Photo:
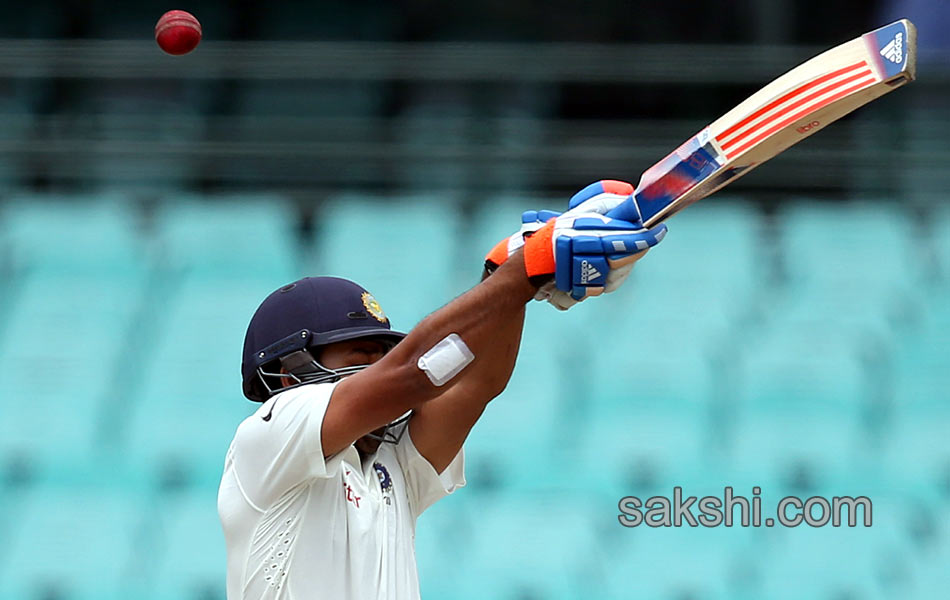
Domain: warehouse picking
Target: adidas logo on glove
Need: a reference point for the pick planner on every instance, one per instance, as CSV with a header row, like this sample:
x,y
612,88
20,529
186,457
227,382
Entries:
x,y
588,272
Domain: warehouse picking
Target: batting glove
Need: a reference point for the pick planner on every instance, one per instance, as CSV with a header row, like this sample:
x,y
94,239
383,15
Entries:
x,y
602,197
580,250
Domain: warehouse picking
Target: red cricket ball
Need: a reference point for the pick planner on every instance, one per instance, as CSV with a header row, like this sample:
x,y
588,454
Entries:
x,y
177,32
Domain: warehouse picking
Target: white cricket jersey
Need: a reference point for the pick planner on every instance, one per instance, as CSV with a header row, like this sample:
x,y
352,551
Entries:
x,y
299,527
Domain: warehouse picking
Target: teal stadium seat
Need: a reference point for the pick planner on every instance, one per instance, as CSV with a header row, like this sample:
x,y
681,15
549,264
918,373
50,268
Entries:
x,y
96,235
843,244
849,264
60,356
837,562
916,452
710,267
402,249
75,544
802,402
513,548
922,371
531,427
658,364
644,453
933,577
675,326
190,561
228,236
706,270
669,563
189,401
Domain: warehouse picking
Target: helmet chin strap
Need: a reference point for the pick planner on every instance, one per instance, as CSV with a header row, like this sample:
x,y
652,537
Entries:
x,y
304,369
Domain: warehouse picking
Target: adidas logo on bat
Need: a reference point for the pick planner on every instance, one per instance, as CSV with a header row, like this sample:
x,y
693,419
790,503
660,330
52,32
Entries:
x,y
894,50
588,272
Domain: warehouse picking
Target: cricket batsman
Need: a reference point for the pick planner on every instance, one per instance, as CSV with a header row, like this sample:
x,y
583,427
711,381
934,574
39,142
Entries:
x,y
361,428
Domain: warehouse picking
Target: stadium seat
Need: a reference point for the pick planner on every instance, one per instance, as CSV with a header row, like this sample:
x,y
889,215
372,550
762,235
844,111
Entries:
x,y
60,359
402,249
933,577
228,236
671,563
809,562
190,400
811,361
716,239
916,451
190,561
642,451
710,264
520,432
95,235
877,308
851,265
922,371
697,295
527,547
844,244
805,400
76,544
666,361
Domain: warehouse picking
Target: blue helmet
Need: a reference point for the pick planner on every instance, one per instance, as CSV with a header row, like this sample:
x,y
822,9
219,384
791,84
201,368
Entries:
x,y
305,314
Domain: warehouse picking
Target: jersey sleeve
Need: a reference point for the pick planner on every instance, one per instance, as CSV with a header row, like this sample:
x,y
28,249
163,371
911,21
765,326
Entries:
x,y
272,456
424,485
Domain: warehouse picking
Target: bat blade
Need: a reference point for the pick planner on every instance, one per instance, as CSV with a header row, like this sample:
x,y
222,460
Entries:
x,y
781,114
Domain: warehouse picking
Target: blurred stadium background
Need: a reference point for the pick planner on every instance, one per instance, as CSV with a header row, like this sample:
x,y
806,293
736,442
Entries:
x,y
791,333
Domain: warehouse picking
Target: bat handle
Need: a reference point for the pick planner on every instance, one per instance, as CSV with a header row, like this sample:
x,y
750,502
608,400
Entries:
x,y
626,211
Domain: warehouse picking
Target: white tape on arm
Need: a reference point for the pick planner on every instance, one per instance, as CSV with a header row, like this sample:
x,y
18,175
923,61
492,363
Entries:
x,y
445,360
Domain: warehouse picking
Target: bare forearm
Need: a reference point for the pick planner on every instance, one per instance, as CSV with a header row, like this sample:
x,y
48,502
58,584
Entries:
x,y
439,427
478,316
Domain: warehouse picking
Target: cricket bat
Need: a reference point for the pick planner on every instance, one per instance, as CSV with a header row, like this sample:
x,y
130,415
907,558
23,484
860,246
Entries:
x,y
781,114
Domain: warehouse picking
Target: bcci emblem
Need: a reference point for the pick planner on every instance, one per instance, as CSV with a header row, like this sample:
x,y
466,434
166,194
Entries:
x,y
385,481
373,307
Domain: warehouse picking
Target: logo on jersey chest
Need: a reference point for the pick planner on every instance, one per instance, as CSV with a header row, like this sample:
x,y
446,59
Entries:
x,y
385,482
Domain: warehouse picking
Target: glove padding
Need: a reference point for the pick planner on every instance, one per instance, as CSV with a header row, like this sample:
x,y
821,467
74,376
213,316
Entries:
x,y
581,249
601,197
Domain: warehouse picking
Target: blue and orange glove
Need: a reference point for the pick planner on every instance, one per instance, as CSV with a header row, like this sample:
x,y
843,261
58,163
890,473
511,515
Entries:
x,y
589,250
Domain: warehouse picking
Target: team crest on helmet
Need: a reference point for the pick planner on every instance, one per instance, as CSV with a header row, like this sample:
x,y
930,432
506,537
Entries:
x,y
373,307
385,481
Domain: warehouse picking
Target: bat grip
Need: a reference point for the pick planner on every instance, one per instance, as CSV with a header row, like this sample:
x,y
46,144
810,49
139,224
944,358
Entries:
x,y
626,211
